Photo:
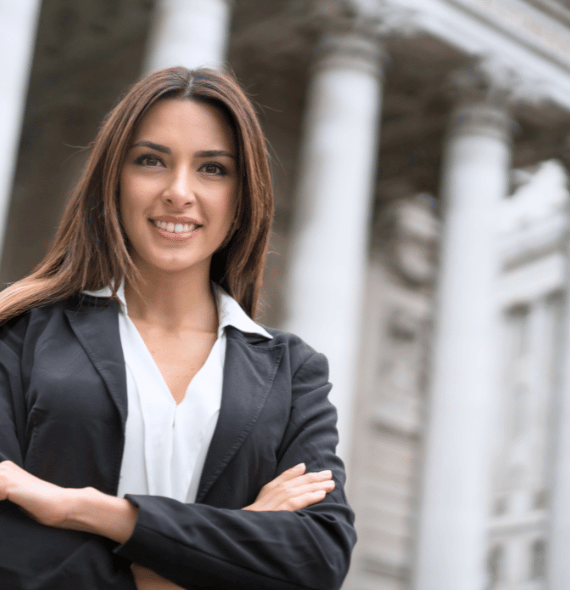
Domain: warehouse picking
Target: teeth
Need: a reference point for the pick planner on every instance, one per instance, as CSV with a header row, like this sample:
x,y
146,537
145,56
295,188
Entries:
x,y
175,228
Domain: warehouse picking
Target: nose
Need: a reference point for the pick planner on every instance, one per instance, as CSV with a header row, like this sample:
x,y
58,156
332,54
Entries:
x,y
179,192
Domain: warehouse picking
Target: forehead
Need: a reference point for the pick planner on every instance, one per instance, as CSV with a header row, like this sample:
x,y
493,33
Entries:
x,y
186,121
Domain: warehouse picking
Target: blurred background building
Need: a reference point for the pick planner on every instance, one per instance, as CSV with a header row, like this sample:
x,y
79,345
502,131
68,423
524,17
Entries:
x,y
420,152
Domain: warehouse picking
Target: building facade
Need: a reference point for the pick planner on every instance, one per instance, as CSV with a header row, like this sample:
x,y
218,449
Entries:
x,y
420,241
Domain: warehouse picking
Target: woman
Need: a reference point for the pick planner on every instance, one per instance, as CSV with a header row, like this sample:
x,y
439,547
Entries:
x,y
127,368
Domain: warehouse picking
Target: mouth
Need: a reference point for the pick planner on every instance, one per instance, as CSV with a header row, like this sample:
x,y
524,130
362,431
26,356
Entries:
x,y
175,228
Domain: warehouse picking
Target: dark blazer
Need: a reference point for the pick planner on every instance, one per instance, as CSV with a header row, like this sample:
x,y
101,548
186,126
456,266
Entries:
x,y
63,407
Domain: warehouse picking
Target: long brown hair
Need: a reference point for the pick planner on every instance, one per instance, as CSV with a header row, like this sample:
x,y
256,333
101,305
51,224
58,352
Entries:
x,y
90,249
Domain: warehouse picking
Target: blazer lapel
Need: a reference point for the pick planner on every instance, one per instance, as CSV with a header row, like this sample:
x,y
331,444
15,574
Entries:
x,y
97,329
249,371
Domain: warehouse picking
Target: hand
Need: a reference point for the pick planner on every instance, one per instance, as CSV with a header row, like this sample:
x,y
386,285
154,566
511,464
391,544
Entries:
x,y
146,579
293,490
43,501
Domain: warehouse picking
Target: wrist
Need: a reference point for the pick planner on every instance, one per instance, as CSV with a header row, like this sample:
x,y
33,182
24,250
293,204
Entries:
x,y
101,514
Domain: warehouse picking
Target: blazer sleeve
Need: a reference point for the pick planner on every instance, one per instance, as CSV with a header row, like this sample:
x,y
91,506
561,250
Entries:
x,y
200,546
12,405
33,555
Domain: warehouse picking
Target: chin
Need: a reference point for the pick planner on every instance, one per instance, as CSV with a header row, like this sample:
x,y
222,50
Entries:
x,y
176,265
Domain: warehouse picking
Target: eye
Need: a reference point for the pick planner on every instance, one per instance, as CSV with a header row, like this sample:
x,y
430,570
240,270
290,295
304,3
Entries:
x,y
214,169
149,161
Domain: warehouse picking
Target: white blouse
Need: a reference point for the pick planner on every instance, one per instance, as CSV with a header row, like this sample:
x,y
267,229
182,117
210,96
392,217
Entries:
x,y
166,443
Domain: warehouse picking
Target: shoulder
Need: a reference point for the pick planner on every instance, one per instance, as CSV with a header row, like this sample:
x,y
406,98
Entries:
x,y
301,357
28,327
13,333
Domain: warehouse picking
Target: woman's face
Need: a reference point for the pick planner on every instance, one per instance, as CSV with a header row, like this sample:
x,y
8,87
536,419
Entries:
x,y
178,186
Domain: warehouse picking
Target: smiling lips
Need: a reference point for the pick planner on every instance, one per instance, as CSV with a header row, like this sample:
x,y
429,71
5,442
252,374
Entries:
x,y
177,228
175,232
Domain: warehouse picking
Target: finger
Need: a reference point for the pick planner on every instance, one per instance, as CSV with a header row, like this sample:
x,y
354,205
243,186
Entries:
x,y
313,477
285,497
281,490
327,486
316,476
303,501
288,475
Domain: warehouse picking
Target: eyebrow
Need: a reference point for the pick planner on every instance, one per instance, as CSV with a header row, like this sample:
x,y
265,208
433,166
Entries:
x,y
201,154
154,146
214,154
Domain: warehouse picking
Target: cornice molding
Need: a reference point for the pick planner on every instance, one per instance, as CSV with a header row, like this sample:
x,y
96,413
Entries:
x,y
554,9
524,33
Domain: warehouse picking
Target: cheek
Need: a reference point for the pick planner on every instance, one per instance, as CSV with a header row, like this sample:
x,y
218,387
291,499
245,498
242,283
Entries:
x,y
130,198
124,213
128,208
231,212
231,208
124,192
227,215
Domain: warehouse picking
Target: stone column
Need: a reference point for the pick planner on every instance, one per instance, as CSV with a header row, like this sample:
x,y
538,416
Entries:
x,y
454,511
333,208
18,23
190,33
558,547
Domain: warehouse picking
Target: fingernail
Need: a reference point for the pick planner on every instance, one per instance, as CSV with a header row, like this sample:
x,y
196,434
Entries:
x,y
327,472
301,466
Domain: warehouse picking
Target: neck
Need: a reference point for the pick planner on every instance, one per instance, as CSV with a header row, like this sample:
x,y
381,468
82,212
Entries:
x,y
173,301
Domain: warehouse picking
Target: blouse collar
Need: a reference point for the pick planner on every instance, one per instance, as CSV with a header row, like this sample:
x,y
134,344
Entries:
x,y
229,311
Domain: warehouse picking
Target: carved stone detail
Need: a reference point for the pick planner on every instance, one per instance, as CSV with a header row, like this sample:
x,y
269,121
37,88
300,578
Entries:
x,y
384,19
411,233
484,90
489,80
353,34
392,20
